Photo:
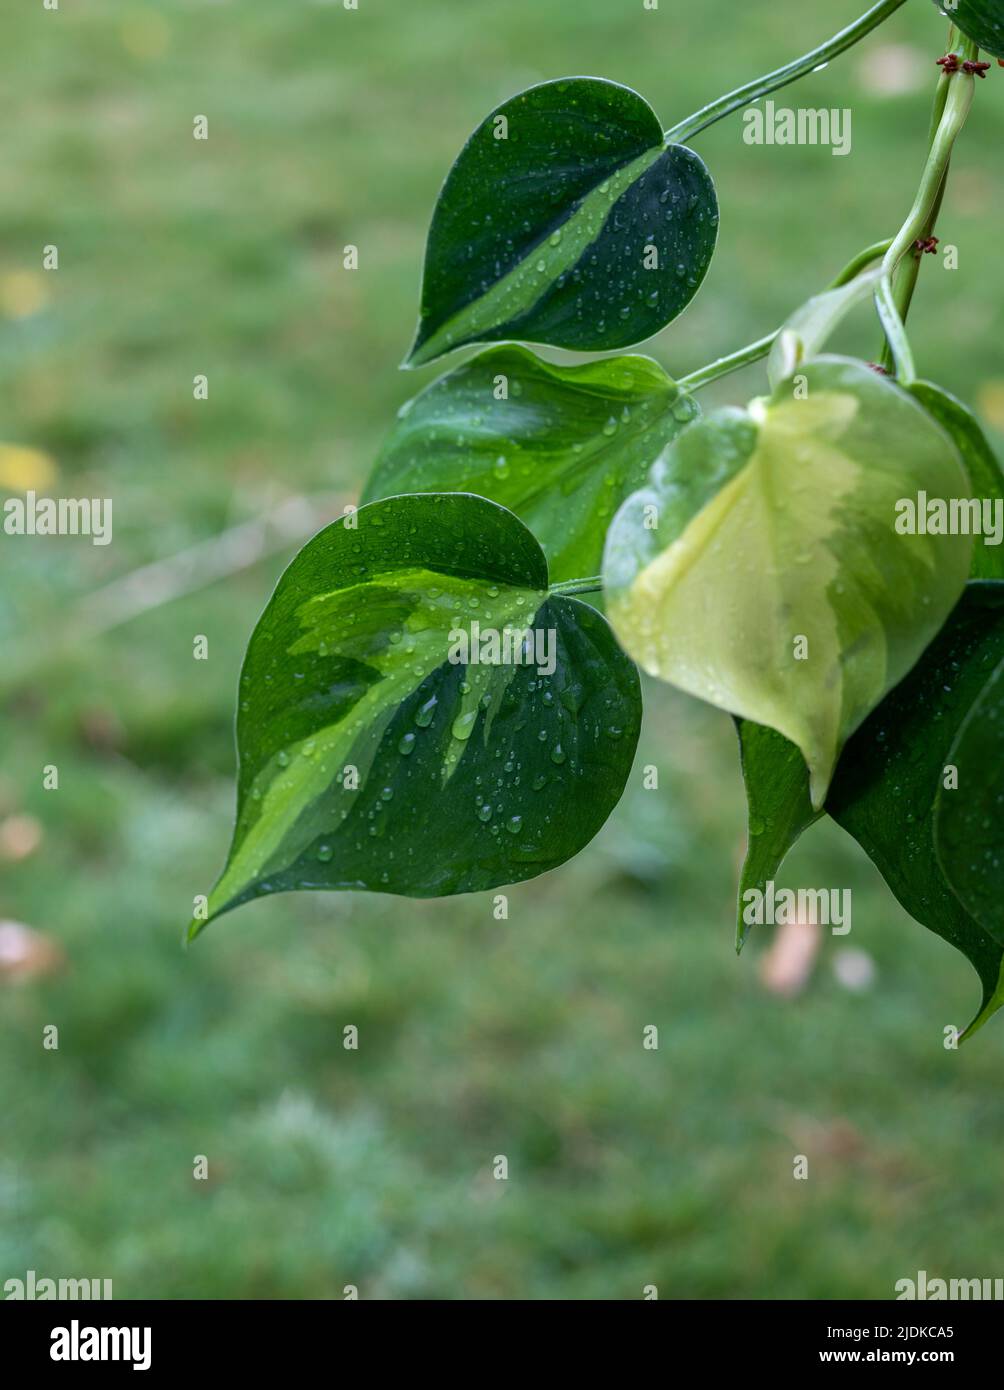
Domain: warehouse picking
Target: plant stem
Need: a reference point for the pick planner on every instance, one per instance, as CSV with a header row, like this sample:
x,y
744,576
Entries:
x,y
864,258
906,279
791,72
568,588
734,362
958,100
910,269
753,352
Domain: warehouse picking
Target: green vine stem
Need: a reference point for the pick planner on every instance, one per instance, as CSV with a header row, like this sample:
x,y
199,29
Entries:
x,y
734,362
791,72
861,261
957,104
905,282
568,588
753,352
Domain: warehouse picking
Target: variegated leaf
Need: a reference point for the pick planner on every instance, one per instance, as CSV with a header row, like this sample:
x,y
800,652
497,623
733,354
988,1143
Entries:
x,y
567,219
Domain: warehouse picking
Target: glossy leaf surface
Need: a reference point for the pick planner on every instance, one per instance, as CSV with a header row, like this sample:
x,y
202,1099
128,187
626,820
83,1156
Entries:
x,y
761,569
566,220
985,477
559,446
377,751
778,807
969,816
891,775
980,20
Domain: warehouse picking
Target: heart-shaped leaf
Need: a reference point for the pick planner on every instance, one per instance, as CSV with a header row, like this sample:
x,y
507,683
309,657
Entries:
x,y
419,716
560,446
763,569
980,20
889,782
984,471
566,219
969,824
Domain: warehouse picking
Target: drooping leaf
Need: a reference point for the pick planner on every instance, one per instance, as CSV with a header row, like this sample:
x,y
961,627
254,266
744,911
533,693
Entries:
x,y
969,813
886,789
566,220
778,807
774,772
980,20
560,446
761,569
981,464
375,751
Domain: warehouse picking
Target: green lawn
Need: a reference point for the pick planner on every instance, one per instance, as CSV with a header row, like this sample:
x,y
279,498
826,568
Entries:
x,y
478,1038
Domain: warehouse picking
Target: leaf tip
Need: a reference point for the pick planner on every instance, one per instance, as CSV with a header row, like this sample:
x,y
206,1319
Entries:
x,y
820,776
419,353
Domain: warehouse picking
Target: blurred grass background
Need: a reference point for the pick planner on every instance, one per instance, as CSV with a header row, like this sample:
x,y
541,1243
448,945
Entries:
x,y
330,1167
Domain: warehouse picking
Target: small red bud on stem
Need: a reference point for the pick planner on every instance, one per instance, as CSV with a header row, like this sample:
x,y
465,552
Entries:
x,y
951,62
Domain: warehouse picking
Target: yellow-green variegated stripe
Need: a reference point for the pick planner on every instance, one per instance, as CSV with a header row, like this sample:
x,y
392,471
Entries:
x,y
765,568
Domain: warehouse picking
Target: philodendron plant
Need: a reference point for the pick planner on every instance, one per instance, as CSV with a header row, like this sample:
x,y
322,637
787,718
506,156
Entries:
x,y
428,706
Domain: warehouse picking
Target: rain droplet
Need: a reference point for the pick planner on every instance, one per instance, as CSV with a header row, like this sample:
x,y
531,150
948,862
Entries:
x,y
424,714
463,725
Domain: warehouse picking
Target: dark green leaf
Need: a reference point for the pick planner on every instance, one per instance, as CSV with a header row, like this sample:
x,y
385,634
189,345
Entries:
x,y
566,220
778,807
981,465
886,788
980,20
560,446
469,775
969,824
